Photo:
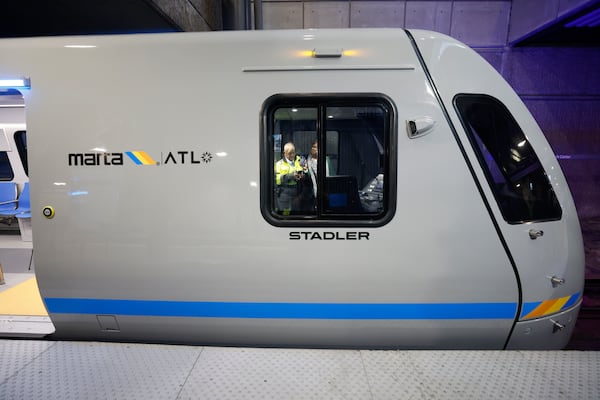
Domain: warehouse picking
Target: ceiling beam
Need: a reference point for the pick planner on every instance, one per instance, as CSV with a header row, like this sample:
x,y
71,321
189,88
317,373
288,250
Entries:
x,y
532,17
192,15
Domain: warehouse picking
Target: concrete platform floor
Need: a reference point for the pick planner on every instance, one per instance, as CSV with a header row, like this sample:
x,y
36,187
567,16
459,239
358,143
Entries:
x,y
45,370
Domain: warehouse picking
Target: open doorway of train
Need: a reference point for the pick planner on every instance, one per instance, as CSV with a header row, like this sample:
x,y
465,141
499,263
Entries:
x,y
22,311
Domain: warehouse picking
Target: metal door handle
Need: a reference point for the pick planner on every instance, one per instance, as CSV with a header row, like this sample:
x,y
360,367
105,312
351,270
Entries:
x,y
534,234
556,281
557,326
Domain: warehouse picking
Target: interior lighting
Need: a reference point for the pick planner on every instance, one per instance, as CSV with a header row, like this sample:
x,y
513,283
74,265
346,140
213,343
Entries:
x,y
522,143
15,83
80,46
590,20
12,105
515,155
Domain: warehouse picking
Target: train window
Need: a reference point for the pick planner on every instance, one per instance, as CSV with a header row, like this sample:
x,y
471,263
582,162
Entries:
x,y
520,184
21,141
324,160
6,171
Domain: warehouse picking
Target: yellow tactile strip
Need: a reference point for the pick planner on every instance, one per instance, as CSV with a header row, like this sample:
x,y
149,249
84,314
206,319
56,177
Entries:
x,y
23,299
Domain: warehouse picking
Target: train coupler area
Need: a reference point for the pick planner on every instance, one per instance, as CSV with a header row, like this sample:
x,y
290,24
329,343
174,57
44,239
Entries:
x,y
550,332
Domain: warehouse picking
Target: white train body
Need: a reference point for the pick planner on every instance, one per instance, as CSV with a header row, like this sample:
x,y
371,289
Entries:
x,y
152,157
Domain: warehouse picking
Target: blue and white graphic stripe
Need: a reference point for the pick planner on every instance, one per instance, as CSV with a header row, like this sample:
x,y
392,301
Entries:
x,y
366,311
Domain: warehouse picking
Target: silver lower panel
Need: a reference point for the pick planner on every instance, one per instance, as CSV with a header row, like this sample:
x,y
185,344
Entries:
x,y
552,332
363,334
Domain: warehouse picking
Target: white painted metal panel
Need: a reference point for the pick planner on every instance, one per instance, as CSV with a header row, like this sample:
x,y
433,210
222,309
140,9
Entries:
x,y
560,251
4,145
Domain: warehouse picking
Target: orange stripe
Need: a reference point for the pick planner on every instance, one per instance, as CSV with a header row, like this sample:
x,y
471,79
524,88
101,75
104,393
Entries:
x,y
558,305
541,309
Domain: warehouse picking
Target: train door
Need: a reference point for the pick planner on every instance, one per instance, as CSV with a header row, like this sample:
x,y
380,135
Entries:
x,y
534,223
22,312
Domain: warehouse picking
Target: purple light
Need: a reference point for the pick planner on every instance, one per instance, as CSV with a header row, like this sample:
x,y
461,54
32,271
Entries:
x,y
591,19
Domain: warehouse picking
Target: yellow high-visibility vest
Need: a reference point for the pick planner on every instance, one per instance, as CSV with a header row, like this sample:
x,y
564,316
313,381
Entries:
x,y
283,169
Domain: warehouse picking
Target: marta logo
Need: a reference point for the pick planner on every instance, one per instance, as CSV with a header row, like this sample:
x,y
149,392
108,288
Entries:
x,y
139,157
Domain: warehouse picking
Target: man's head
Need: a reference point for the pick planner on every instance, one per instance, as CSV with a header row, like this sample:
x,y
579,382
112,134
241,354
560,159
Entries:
x,y
289,151
314,150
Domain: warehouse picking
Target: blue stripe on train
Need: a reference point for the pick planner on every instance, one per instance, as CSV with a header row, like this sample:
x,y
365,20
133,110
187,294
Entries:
x,y
161,308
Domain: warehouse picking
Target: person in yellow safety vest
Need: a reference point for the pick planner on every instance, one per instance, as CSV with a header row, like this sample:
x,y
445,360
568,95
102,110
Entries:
x,y
289,171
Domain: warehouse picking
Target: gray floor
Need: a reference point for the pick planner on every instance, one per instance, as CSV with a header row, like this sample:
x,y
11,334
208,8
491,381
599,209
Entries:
x,y
32,369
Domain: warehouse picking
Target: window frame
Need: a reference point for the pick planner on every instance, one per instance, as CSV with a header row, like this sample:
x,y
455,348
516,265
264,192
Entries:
x,y
327,100
484,165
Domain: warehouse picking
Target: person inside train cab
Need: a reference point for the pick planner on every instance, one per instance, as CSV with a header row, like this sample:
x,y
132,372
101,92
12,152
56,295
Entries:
x,y
312,165
290,171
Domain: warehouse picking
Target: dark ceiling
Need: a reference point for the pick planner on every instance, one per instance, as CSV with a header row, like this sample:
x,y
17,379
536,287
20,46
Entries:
x,y
80,17
75,17
581,28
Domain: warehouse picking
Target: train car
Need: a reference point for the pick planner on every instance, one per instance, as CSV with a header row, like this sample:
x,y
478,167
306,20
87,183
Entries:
x,y
308,188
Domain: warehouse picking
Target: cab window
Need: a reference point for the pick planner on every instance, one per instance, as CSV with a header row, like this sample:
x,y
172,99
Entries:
x,y
514,172
327,160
